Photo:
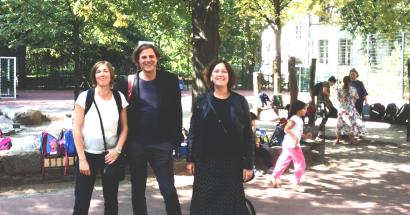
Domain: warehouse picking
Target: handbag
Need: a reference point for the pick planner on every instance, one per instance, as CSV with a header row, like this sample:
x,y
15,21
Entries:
x,y
250,209
115,170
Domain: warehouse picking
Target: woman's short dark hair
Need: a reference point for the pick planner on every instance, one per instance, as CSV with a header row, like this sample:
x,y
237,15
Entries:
x,y
137,51
296,106
94,71
332,79
209,69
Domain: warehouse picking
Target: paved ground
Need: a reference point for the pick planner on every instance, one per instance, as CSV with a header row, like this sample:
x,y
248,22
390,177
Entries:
x,y
370,178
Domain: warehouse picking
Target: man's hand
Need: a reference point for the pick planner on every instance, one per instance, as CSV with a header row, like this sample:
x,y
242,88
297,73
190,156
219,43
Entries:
x,y
247,174
190,168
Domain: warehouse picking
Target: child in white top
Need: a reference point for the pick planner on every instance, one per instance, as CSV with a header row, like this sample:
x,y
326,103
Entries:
x,y
291,150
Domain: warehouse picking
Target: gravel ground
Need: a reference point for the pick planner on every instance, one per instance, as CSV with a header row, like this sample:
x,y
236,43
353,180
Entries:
x,y
372,177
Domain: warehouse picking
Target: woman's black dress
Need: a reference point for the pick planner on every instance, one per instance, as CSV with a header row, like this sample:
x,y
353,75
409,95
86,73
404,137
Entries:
x,y
218,188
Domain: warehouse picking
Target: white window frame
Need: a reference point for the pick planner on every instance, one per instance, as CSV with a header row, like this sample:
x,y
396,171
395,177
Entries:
x,y
345,52
323,48
298,32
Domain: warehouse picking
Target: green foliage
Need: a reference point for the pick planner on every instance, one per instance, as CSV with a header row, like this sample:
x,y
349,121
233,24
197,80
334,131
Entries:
x,y
107,30
240,40
265,11
366,16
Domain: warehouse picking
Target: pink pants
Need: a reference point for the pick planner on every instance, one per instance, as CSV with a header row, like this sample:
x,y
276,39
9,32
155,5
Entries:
x,y
287,155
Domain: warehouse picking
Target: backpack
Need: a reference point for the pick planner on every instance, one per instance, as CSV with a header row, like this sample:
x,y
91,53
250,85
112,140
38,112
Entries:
x,y
182,150
262,136
5,142
402,114
311,110
68,143
317,88
390,113
366,112
277,101
277,136
90,99
50,145
377,111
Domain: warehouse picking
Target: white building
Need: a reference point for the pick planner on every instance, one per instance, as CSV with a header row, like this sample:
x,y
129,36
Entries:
x,y
336,52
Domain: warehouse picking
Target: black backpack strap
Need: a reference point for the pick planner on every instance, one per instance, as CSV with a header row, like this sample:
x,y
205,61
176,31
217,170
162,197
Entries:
x,y
135,86
89,100
117,98
118,101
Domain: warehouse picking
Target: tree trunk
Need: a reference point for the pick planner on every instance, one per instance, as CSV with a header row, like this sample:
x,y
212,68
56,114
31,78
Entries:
x,y
311,86
293,82
21,66
408,117
249,55
205,39
277,74
76,43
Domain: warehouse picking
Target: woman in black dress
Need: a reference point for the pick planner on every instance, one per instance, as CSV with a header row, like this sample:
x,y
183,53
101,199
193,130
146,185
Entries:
x,y
220,145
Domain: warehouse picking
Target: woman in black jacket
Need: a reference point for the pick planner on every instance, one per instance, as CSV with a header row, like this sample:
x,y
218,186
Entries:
x,y
220,145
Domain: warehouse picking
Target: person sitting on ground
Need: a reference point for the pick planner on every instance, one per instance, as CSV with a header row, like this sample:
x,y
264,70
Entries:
x,y
264,99
261,150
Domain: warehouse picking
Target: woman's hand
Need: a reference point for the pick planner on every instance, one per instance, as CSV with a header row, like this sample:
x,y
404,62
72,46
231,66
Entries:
x,y
111,156
247,174
84,167
190,168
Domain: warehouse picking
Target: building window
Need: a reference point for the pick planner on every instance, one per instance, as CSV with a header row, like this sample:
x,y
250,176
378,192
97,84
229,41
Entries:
x,y
324,51
345,47
298,32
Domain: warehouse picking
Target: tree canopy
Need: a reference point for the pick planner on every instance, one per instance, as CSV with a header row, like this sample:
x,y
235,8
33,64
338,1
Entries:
x,y
366,16
105,28
69,36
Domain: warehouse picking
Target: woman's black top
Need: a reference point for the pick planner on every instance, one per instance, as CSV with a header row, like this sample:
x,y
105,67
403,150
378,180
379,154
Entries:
x,y
219,129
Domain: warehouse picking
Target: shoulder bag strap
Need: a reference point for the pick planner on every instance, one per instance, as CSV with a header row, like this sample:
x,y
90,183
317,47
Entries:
x,y
101,124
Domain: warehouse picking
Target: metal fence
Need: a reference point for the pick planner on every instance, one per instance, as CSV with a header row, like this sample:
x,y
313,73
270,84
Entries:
x,y
386,71
8,80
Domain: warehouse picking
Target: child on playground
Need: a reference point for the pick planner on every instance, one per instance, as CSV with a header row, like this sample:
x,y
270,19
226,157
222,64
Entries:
x,y
291,149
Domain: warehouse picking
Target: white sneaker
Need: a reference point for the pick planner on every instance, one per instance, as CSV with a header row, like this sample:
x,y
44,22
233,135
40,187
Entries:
x,y
298,188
